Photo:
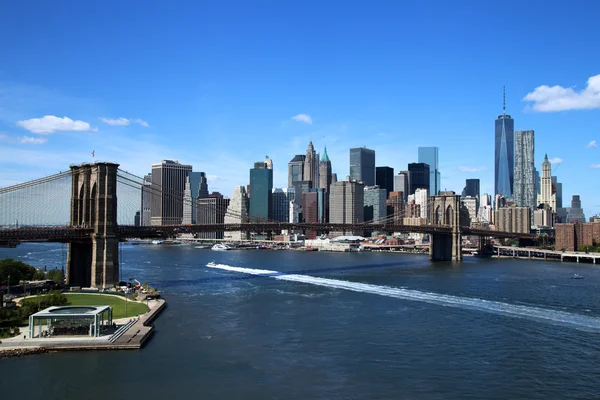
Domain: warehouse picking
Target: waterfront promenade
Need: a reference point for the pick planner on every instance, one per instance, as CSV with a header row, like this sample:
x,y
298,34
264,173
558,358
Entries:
x,y
550,255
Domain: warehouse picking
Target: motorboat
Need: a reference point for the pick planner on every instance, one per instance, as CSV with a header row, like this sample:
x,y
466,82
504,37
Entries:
x,y
577,276
212,264
157,241
220,247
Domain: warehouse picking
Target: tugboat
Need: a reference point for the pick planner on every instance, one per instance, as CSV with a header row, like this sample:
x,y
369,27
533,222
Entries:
x,y
577,276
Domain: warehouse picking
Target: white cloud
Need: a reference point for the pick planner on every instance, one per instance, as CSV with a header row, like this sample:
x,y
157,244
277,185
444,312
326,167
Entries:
x,y
121,121
50,123
592,145
31,140
557,98
141,122
471,169
303,118
555,160
116,121
595,166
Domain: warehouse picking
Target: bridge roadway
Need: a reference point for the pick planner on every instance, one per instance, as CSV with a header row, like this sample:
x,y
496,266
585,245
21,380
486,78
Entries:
x,y
70,233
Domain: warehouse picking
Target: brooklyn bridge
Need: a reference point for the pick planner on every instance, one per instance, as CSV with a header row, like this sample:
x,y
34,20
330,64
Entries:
x,y
91,207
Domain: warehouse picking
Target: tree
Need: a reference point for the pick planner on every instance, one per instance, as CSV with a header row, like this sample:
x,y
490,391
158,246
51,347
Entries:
x,y
56,275
18,271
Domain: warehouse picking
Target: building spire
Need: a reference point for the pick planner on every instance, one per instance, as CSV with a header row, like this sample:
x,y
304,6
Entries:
x,y
503,99
325,157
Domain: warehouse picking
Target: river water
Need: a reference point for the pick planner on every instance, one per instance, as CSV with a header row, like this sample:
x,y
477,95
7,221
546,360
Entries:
x,y
316,325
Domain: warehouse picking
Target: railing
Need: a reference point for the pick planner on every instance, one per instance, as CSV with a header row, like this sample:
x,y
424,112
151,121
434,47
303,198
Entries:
x,y
121,331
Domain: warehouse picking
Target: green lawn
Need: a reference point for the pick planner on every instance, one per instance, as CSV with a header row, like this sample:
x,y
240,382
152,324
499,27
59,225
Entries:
x,y
117,303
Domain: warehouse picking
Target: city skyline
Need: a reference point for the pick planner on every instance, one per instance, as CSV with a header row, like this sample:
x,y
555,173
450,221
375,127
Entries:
x,y
212,120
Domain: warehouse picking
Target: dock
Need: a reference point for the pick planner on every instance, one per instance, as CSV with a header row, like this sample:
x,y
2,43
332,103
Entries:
x,y
548,255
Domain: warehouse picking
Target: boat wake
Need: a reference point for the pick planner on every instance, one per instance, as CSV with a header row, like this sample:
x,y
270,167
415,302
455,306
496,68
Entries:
x,y
573,320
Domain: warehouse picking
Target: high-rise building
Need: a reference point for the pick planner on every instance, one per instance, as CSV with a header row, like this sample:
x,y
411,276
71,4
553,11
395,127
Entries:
x,y
168,184
211,210
310,211
395,207
187,203
384,178
504,154
421,197
470,204
199,186
485,209
557,188
471,188
402,183
513,219
237,213
362,165
146,200
346,203
325,171
296,169
311,165
374,200
524,187
261,186
575,212
547,196
419,177
334,177
430,156
280,199
543,217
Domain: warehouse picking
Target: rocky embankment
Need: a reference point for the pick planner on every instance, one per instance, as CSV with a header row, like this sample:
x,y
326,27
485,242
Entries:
x,y
27,351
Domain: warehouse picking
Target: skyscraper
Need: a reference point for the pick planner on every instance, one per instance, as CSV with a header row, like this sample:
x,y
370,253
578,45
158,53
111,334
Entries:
x,y
575,212
168,184
199,187
346,203
362,165
296,169
325,171
237,213
504,154
384,178
211,210
524,189
419,177
261,186
311,165
471,188
402,184
280,199
547,196
375,207
557,187
146,201
430,156
187,203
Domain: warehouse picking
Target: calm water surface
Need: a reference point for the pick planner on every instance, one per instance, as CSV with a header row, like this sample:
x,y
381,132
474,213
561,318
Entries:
x,y
485,329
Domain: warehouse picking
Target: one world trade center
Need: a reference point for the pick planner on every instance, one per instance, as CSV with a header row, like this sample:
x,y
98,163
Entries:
x,y
505,154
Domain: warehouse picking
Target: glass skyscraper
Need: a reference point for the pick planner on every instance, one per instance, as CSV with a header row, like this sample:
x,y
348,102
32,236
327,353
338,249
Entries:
x,y
362,165
504,158
430,156
524,189
261,187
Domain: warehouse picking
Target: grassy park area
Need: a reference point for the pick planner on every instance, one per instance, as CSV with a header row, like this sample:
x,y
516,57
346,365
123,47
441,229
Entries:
x,y
116,302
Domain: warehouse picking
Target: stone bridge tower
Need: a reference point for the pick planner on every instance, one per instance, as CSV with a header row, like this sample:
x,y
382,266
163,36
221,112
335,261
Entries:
x,y
94,262
445,210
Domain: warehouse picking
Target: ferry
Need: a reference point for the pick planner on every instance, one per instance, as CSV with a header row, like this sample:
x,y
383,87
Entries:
x,y
220,247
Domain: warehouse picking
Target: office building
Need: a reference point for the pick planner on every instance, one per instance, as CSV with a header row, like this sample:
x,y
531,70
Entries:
x,y
472,189
485,213
311,165
419,177
334,177
395,207
504,154
199,186
168,184
402,183
325,171
469,204
310,211
547,195
557,188
543,217
524,186
211,210
384,178
261,186
362,165
146,200
374,204
430,156
513,219
346,204
296,169
575,212
280,199
421,199
187,203
237,213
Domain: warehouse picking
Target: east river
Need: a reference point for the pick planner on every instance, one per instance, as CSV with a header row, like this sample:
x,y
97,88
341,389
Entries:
x,y
378,326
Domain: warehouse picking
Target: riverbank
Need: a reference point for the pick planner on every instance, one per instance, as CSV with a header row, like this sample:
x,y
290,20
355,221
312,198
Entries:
x,y
132,334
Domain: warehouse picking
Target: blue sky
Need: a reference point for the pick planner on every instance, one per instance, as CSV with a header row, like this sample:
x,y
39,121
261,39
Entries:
x,y
217,83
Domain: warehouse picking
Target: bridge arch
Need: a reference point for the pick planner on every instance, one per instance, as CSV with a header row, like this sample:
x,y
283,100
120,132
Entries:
x,y
437,216
449,216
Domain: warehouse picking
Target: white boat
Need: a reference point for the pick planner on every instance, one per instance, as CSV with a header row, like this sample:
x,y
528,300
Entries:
x,y
157,241
211,264
577,276
220,247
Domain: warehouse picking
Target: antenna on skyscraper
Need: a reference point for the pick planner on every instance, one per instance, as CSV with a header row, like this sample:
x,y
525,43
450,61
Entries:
x,y
503,99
